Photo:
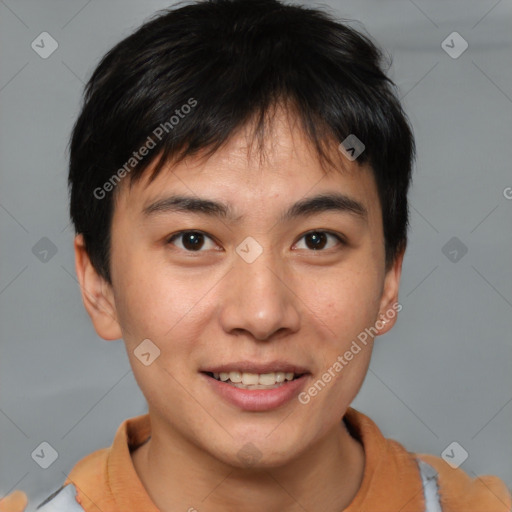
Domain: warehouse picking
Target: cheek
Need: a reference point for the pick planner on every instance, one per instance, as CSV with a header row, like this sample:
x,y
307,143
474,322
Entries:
x,y
153,303
139,298
346,302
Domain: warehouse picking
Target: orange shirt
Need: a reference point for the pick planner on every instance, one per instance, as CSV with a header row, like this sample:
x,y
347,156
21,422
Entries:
x,y
106,480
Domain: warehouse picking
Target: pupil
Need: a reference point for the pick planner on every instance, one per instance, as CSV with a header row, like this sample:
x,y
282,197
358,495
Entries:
x,y
193,241
318,238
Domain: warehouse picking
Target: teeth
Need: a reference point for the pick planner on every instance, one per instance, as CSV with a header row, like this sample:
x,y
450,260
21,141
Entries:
x,y
249,378
267,378
254,379
235,377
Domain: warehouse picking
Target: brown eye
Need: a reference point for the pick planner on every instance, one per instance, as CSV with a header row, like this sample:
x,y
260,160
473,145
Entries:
x,y
191,241
317,240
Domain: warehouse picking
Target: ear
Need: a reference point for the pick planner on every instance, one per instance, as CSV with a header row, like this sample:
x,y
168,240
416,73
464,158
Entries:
x,y
389,305
97,294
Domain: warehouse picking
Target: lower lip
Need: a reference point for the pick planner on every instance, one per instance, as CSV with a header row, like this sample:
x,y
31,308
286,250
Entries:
x,y
257,399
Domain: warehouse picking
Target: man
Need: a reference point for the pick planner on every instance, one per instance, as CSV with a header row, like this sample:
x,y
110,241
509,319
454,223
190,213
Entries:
x,y
239,177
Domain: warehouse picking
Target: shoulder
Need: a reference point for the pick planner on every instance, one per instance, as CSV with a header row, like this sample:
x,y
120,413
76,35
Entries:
x,y
459,491
87,471
62,500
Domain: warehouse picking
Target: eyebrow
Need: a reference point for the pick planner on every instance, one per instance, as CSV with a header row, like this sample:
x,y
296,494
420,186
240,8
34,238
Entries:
x,y
328,202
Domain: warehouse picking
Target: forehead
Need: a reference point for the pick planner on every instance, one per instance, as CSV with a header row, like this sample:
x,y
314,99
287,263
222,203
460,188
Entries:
x,y
285,167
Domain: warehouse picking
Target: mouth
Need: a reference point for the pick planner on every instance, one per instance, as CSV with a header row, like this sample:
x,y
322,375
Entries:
x,y
256,387
247,380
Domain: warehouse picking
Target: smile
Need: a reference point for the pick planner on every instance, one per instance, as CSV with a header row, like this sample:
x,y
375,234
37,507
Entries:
x,y
257,392
246,380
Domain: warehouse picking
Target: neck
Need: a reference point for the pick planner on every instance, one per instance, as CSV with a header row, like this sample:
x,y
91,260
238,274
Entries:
x,y
326,477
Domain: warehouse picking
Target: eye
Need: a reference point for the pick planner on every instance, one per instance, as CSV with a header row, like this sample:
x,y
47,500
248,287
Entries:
x,y
192,241
316,240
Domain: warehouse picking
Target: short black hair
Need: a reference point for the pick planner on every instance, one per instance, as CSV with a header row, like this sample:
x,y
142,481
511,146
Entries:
x,y
185,81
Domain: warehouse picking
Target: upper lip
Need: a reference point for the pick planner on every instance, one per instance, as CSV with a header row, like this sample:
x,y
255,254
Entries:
x,y
252,367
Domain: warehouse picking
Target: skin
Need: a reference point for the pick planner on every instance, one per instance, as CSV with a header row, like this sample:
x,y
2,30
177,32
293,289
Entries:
x,y
292,303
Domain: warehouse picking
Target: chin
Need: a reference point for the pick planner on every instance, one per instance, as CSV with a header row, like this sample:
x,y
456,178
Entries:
x,y
261,451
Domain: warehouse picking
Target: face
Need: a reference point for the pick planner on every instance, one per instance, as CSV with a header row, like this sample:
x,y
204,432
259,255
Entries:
x,y
264,292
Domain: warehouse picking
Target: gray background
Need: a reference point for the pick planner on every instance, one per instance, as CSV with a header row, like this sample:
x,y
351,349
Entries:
x,y
441,375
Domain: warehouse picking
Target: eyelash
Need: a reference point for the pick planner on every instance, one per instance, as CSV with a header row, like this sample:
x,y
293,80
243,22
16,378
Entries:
x,y
339,238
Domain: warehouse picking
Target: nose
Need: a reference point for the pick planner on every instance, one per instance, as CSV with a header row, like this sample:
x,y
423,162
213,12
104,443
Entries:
x,y
259,299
